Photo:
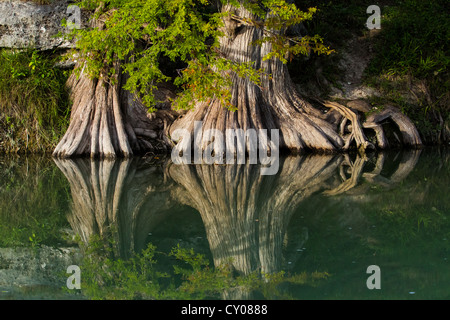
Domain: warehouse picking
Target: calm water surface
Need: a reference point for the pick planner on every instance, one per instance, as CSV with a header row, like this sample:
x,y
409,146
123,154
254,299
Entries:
x,y
309,232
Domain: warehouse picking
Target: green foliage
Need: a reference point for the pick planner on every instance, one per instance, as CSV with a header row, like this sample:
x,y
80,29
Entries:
x,y
201,83
415,39
336,20
34,101
403,227
411,65
142,33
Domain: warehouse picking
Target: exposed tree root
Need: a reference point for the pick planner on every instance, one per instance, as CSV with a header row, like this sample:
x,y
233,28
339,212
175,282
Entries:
x,y
356,133
275,104
108,121
410,135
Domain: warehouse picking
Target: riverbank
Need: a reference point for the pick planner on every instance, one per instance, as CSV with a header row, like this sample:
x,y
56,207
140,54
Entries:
x,y
34,102
404,65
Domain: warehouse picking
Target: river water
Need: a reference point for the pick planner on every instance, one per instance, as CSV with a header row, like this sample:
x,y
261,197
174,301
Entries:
x,y
323,227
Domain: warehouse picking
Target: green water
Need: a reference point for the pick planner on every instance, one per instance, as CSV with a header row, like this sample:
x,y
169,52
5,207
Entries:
x,y
309,232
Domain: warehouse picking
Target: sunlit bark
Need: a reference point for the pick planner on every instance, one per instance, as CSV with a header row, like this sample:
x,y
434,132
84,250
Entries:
x,y
276,104
108,121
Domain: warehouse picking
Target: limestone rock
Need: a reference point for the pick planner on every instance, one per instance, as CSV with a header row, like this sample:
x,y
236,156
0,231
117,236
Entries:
x,y
31,267
30,25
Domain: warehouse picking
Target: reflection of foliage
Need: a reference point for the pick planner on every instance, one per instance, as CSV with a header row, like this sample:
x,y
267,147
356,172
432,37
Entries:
x,y
201,281
404,215
32,198
415,61
108,278
186,33
192,277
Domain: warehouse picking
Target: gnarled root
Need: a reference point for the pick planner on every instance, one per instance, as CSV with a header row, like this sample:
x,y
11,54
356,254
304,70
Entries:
x,y
351,129
410,135
357,133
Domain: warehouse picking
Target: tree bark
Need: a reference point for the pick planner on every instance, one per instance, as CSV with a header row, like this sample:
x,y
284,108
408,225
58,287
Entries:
x,y
108,121
276,104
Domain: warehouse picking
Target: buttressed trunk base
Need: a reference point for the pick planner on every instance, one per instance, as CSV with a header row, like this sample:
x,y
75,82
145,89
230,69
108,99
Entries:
x,y
108,121
276,104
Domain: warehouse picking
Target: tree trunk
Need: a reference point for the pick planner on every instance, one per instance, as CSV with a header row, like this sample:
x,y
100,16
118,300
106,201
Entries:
x,y
277,105
108,121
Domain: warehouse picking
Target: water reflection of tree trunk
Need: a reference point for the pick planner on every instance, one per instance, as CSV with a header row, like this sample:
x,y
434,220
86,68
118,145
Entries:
x,y
246,214
111,195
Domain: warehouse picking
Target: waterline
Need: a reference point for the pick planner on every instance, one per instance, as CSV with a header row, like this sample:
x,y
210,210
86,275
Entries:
x,y
236,146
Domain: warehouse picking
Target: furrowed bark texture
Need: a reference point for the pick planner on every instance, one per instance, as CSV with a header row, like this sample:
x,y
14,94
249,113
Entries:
x,y
108,121
276,104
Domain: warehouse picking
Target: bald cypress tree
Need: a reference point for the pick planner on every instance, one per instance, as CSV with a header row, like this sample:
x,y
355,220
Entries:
x,y
232,75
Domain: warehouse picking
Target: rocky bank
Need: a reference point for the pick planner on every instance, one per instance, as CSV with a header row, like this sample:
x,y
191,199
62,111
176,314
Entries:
x,y
26,24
